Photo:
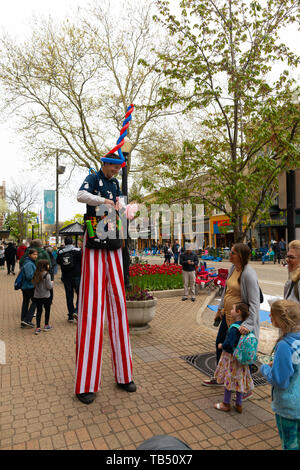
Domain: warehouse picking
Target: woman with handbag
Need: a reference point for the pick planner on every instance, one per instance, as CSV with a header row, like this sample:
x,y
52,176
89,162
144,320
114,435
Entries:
x,y
241,287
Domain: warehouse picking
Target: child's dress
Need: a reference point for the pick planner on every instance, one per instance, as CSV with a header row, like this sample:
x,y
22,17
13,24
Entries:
x,y
234,375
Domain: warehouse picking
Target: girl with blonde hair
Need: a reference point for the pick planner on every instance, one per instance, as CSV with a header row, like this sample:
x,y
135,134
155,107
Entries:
x,y
284,373
292,286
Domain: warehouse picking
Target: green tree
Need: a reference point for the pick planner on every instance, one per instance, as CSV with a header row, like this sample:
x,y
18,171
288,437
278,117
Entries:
x,y
222,71
77,218
17,225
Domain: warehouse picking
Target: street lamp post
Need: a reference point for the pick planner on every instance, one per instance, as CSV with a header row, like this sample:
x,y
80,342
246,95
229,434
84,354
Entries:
x,y
59,171
126,149
290,205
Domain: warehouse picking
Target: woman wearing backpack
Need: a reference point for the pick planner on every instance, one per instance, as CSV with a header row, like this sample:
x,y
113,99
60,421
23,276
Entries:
x,y
28,270
292,286
241,286
230,372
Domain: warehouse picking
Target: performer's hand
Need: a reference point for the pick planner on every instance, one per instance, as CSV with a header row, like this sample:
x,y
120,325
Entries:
x,y
220,346
109,202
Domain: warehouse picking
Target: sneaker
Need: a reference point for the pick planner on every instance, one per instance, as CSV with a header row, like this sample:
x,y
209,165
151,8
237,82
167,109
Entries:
x,y
47,327
75,316
193,299
70,320
184,298
37,331
248,395
27,323
211,383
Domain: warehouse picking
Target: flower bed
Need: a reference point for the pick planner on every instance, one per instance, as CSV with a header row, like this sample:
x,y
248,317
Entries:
x,y
155,277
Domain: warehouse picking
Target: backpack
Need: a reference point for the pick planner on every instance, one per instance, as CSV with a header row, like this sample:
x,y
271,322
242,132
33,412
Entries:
x,y
67,261
245,351
19,280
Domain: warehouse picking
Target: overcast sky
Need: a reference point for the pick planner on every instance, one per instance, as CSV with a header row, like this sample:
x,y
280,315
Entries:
x,y
16,18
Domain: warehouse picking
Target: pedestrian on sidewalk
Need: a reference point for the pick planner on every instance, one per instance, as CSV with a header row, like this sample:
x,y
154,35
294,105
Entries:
x,y
2,257
292,286
38,246
28,268
230,372
277,254
176,251
69,259
189,261
43,285
284,372
21,250
168,253
241,287
10,257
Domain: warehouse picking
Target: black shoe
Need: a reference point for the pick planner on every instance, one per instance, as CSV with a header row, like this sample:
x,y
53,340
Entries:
x,y
184,298
70,320
130,387
86,398
27,323
193,299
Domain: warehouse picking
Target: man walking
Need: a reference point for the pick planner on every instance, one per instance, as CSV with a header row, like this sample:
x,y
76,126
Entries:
x,y
69,259
176,251
10,257
189,261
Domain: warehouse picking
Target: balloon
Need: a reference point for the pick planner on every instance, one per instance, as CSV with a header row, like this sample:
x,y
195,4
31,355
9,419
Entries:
x,y
120,140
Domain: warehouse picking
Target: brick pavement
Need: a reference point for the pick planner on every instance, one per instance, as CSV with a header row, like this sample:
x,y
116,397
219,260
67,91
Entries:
x,y
39,410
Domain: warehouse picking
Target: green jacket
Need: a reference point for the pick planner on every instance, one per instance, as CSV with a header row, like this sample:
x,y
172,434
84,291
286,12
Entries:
x,y
42,254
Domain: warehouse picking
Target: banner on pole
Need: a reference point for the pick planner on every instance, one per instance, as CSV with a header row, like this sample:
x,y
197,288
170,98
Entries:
x,y
49,206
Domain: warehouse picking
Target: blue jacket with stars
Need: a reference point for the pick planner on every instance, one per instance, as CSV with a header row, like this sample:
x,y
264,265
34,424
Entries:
x,y
98,185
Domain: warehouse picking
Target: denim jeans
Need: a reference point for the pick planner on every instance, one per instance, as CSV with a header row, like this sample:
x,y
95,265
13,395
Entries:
x,y
71,285
27,312
289,432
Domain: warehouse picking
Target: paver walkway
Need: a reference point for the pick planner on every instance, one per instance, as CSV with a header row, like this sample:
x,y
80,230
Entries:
x,y
39,410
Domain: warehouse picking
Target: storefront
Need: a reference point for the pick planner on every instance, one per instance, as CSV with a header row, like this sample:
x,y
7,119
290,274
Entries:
x,y
221,233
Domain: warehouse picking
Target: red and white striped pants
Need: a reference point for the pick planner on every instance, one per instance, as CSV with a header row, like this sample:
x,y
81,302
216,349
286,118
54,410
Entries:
x,y
101,291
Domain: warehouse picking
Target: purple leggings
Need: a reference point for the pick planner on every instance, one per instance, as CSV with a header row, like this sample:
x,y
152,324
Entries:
x,y
227,397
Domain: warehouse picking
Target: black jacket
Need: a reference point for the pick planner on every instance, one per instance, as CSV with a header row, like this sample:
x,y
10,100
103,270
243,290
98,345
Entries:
x,y
184,261
10,252
69,259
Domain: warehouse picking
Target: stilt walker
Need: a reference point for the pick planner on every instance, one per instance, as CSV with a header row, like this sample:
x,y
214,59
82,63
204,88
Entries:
x,y
102,289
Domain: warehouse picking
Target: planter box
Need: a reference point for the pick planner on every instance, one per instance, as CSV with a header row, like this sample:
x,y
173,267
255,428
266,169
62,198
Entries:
x,y
140,313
